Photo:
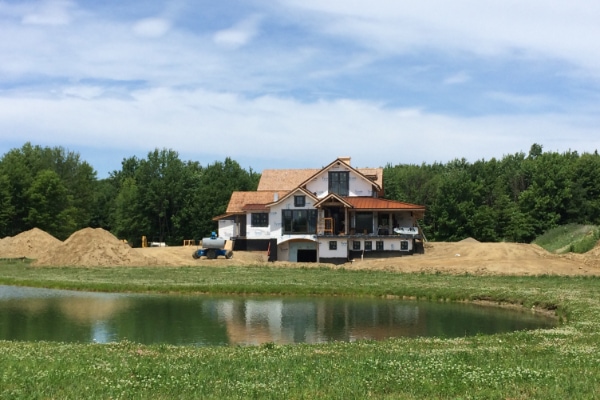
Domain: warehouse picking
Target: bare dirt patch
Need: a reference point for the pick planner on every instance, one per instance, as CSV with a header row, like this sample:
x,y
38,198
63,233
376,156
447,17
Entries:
x,y
33,243
93,247
97,247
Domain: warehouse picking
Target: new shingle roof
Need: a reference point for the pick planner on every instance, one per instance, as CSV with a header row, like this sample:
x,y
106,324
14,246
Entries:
x,y
241,199
284,179
289,179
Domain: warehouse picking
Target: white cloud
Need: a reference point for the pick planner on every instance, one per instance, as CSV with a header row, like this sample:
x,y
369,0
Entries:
x,y
561,29
457,79
49,12
282,130
151,27
84,92
239,34
520,101
98,82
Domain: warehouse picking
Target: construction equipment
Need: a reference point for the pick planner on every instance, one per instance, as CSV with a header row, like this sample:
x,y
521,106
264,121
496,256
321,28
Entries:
x,y
213,247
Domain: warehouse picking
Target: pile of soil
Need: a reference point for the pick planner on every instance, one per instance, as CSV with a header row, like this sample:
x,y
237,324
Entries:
x,y
94,247
97,247
478,258
34,243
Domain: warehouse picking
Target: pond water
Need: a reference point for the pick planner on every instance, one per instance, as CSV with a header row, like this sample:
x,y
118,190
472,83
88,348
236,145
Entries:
x,y
28,314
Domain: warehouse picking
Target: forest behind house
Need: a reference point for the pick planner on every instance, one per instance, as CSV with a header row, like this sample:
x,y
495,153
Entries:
x,y
515,198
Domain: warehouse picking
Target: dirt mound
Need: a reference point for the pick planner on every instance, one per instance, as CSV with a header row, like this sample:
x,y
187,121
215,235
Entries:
x,y
34,243
94,247
595,251
469,240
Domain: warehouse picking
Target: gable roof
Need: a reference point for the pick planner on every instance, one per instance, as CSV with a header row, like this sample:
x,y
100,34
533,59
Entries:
x,y
337,161
288,194
276,185
333,197
290,179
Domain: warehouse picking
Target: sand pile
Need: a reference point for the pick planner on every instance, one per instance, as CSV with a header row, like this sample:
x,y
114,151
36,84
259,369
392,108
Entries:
x,y
34,243
94,247
469,240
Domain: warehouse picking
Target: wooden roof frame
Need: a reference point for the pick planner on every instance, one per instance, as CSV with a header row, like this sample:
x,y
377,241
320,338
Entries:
x,y
331,196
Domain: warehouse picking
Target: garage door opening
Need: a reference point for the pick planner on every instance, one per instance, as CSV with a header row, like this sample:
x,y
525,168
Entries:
x,y
305,255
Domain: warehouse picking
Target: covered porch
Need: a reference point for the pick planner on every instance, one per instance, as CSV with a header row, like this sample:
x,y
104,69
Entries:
x,y
351,227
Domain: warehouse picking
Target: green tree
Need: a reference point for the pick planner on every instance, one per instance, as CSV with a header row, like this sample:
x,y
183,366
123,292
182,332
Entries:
x,y
129,221
584,205
216,184
166,199
7,209
454,205
546,199
22,168
50,205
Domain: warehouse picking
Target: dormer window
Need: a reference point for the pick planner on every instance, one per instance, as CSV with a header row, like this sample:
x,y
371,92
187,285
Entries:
x,y
339,182
299,201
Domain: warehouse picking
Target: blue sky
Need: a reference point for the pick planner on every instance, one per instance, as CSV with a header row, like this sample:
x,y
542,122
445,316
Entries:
x,y
297,83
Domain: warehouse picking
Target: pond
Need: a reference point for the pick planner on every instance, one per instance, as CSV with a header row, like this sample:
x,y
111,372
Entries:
x,y
28,314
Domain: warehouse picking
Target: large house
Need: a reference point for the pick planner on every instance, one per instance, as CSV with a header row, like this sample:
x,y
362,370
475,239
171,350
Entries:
x,y
333,215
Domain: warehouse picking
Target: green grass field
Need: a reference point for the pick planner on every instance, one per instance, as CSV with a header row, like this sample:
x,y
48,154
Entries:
x,y
559,363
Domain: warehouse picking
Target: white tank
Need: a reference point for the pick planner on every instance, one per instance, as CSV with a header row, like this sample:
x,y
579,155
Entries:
x,y
213,243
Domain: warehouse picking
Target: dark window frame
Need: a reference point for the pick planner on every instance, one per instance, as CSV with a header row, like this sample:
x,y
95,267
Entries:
x,y
368,245
379,245
299,201
259,220
298,221
339,182
356,245
333,245
363,221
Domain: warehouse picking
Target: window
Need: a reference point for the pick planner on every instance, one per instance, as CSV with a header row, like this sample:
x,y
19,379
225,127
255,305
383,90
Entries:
x,y
339,183
299,201
368,245
404,245
356,245
364,222
299,221
259,220
333,245
379,245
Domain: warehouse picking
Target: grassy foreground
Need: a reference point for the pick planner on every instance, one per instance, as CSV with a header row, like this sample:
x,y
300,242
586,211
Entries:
x,y
557,363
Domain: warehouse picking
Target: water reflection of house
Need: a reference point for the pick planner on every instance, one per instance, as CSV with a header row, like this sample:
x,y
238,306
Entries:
x,y
331,214
251,322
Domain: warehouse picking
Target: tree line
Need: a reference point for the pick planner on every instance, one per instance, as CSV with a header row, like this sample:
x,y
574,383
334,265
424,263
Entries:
x,y
515,198
160,197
